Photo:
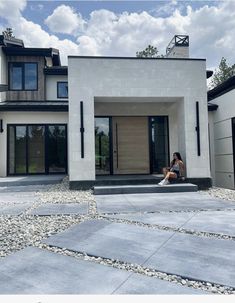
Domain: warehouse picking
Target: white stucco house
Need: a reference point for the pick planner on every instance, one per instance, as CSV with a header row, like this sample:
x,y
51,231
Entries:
x,y
122,116
222,133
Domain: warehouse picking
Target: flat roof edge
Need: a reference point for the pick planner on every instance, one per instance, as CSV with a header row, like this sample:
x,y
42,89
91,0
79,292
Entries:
x,y
134,58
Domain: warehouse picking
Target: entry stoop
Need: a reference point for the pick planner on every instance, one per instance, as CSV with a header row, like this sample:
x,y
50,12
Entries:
x,y
145,188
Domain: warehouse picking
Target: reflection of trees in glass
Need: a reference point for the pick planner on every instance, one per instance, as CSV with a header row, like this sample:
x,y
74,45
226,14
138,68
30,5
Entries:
x,y
102,148
57,148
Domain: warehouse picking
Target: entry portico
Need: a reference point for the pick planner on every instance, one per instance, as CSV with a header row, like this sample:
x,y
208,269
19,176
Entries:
x,y
140,101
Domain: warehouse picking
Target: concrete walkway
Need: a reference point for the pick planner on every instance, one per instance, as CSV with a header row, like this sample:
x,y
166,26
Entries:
x,y
30,180
187,236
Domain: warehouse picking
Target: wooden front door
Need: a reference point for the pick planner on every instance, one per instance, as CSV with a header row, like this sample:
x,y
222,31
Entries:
x,y
130,145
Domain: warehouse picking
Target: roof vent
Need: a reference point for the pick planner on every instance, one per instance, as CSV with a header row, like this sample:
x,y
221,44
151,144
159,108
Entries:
x,y
178,47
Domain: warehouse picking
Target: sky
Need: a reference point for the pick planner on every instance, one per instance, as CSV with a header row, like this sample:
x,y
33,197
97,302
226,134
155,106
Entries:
x,y
121,28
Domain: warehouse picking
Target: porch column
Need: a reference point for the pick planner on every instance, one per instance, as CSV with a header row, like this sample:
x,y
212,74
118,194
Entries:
x,y
81,160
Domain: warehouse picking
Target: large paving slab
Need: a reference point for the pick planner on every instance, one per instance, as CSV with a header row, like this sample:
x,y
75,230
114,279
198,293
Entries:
x,y
34,271
199,258
221,222
175,220
142,285
186,255
60,209
160,202
14,210
125,242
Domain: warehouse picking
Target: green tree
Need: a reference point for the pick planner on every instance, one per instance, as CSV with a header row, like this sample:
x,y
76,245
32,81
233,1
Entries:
x,y
223,72
8,33
149,52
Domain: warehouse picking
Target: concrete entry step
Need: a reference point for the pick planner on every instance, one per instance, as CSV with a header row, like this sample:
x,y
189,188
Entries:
x,y
31,180
146,188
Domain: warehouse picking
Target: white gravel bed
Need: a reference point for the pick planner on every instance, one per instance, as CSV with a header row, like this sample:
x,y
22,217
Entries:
x,y
60,193
221,193
17,232
206,286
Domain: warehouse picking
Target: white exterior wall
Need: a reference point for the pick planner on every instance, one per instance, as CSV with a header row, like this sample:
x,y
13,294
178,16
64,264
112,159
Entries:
x,y
51,86
223,169
112,77
24,118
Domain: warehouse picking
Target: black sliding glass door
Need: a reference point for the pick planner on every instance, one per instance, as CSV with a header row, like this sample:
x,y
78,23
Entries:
x,y
37,149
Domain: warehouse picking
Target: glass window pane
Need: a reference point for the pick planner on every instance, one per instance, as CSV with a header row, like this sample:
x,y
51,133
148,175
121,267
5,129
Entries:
x,y
20,150
36,149
159,143
57,146
11,152
62,89
16,77
30,76
102,146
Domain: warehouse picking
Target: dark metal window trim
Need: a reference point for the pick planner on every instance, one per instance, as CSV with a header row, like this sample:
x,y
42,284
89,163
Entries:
x,y
46,125
58,83
22,64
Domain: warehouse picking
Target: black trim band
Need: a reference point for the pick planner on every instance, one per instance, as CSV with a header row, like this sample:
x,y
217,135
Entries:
x,y
197,128
82,130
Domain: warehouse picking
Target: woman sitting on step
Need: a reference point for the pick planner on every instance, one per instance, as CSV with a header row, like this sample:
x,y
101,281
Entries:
x,y
175,171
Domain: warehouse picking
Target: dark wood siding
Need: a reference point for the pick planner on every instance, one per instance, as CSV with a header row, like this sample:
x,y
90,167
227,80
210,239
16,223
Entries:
x,y
29,95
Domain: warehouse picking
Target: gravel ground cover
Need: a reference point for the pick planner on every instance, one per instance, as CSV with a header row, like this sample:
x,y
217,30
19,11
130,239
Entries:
x,y
17,232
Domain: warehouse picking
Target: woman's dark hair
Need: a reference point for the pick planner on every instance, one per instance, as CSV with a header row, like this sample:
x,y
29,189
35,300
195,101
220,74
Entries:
x,y
178,156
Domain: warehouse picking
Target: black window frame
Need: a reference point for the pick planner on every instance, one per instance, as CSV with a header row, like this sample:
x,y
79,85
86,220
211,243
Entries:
x,y
46,125
62,82
22,65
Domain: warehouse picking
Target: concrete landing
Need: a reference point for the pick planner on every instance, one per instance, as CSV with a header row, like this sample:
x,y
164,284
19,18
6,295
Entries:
x,y
145,188
31,180
36,271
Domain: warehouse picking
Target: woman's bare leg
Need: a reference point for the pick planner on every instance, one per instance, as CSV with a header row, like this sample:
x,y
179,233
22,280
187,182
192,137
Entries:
x,y
170,175
165,171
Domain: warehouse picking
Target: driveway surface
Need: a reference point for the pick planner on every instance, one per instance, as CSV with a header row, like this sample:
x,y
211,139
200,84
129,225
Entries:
x,y
185,240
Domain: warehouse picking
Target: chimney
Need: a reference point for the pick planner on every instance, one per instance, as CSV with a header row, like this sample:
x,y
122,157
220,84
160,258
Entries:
x,y
178,47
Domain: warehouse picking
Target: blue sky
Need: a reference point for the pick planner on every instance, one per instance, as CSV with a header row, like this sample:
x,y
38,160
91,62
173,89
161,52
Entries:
x,y
123,27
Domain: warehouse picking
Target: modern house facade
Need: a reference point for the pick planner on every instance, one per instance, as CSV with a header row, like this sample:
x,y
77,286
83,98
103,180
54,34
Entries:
x,y
222,133
34,118
122,116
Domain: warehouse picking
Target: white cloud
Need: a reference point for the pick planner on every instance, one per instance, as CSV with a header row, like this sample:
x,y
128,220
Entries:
x,y
64,20
11,9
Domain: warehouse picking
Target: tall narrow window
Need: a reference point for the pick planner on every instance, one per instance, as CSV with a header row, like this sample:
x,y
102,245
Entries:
x,y
102,146
159,143
62,90
23,76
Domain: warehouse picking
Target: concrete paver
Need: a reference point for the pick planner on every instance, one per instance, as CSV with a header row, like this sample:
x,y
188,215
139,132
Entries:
x,y
60,209
181,254
125,242
36,271
199,258
14,209
221,222
33,271
175,220
160,203
142,285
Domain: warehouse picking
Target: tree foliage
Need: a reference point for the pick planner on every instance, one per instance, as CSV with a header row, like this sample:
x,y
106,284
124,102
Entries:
x,y
149,52
8,33
224,72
